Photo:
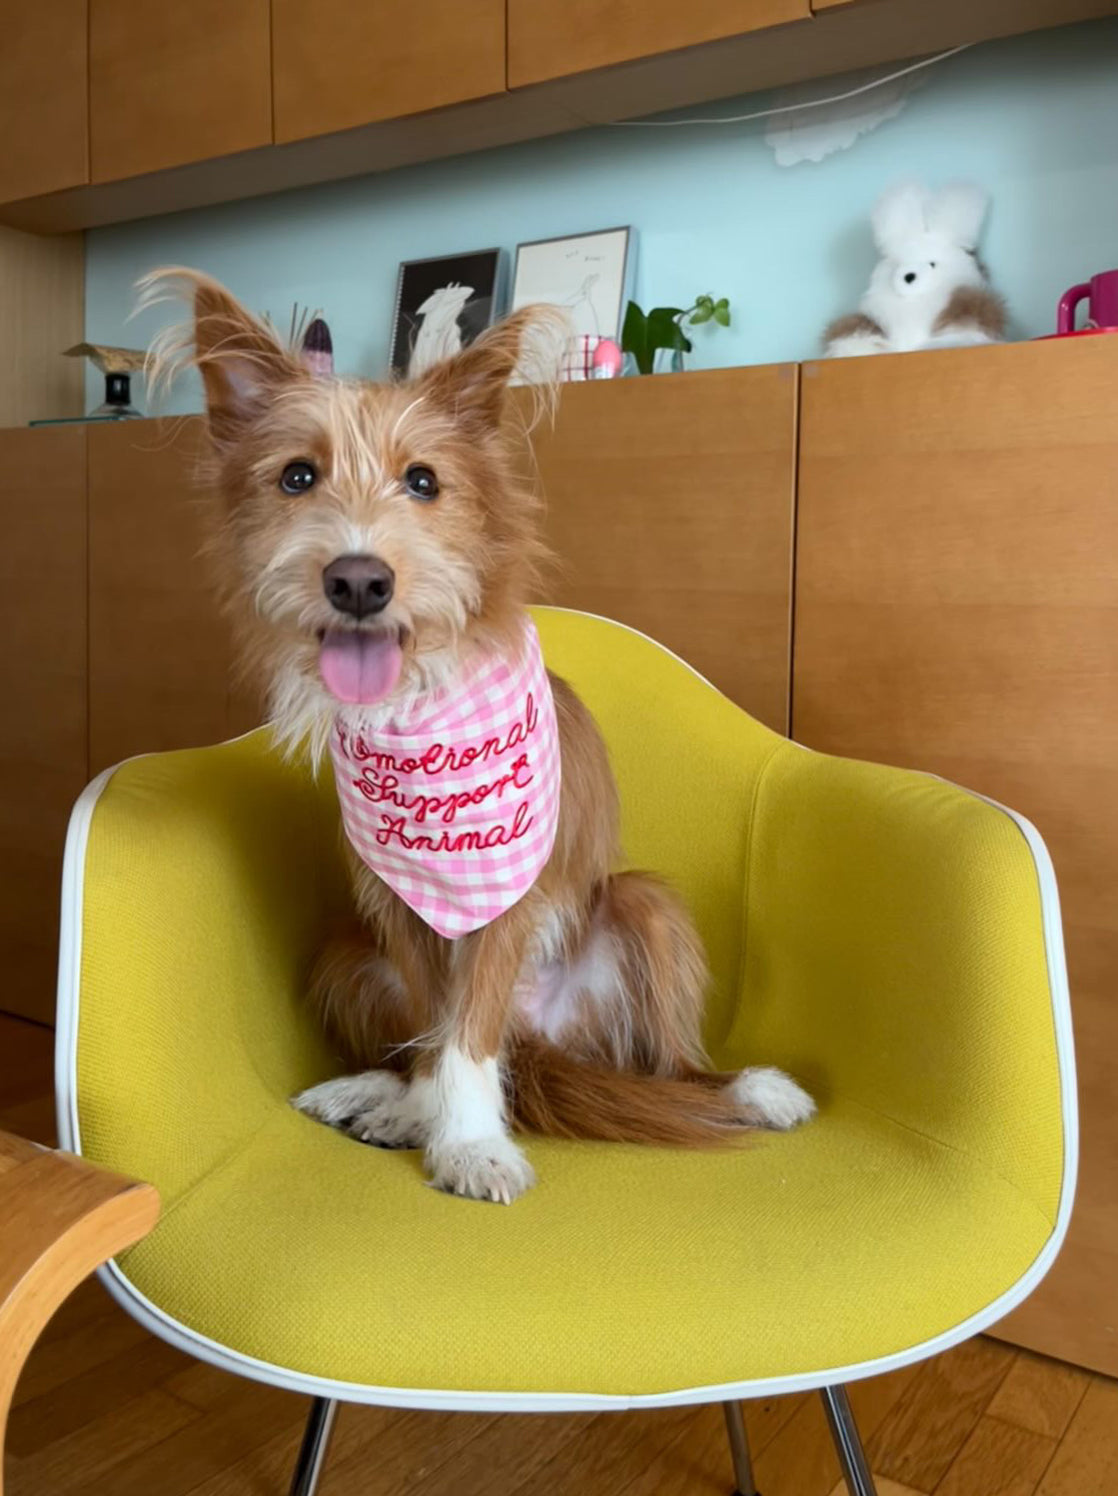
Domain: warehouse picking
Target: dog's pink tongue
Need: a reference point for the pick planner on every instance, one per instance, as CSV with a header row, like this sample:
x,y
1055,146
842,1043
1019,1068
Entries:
x,y
360,669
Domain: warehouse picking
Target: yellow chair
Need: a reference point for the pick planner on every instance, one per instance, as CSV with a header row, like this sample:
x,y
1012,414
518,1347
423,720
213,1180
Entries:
x,y
890,939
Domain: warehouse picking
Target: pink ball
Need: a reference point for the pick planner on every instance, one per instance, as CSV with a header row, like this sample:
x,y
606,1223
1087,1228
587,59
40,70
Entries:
x,y
607,359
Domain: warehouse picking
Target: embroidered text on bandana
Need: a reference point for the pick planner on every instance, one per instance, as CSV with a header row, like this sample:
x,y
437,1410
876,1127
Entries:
x,y
455,803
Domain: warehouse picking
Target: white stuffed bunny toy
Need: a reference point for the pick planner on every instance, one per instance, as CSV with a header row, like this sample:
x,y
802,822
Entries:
x,y
929,289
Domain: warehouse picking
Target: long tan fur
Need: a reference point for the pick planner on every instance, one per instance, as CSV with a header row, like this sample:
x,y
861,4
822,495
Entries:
x,y
584,1000
561,1097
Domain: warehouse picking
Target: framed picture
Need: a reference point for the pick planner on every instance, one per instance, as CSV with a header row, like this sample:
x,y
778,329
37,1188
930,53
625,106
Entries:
x,y
442,305
589,275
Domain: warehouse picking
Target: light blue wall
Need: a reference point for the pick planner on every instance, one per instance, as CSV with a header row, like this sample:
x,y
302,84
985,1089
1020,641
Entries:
x,y
1034,119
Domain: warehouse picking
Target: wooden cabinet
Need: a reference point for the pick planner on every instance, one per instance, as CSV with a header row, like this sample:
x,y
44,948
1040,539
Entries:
x,y
337,65
670,508
160,662
112,645
174,83
43,688
957,611
43,98
553,38
42,311
123,110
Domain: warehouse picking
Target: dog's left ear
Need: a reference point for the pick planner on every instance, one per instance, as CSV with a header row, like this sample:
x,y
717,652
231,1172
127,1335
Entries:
x,y
472,386
242,361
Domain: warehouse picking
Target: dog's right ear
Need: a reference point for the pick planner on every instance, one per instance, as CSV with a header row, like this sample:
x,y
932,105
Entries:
x,y
242,362
473,384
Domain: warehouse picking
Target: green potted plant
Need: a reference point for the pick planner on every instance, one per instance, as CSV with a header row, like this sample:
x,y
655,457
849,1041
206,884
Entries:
x,y
644,333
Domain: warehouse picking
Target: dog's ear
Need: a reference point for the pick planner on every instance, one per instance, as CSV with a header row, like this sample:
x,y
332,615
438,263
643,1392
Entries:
x,y
241,359
472,385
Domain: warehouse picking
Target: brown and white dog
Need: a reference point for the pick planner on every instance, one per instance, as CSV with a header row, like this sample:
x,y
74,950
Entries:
x,y
394,513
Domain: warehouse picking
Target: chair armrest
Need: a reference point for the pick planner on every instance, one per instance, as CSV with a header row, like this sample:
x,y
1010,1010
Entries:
x,y
902,952
60,1218
197,890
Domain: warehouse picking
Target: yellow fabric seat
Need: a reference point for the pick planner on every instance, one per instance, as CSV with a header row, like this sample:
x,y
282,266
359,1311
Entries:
x,y
891,940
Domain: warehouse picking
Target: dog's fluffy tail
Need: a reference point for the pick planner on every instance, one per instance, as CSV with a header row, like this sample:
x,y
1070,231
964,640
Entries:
x,y
558,1096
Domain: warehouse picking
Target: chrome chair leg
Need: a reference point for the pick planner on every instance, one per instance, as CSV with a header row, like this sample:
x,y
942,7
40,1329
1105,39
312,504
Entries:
x,y
848,1442
739,1449
315,1446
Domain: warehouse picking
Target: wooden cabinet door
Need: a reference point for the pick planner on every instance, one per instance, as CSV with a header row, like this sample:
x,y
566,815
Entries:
x,y
159,654
172,83
337,64
553,38
957,611
669,506
43,688
43,98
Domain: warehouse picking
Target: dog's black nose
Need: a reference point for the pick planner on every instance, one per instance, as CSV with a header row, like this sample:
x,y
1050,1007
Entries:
x,y
358,585
910,277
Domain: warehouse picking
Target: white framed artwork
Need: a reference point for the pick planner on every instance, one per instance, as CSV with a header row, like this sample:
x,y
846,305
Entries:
x,y
588,275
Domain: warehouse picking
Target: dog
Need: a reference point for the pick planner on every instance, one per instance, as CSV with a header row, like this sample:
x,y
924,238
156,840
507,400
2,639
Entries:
x,y
376,550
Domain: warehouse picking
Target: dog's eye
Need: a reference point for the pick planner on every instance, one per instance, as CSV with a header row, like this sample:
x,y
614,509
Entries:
x,y
297,477
421,482
931,264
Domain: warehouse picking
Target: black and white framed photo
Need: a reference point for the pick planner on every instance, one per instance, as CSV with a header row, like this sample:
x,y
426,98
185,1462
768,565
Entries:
x,y
588,275
442,305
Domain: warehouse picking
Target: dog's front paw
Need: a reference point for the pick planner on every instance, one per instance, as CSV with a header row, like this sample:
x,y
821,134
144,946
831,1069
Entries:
x,y
397,1118
773,1096
338,1102
489,1169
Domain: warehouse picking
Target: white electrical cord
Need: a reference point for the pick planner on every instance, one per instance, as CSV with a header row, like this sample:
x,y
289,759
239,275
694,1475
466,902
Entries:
x,y
740,119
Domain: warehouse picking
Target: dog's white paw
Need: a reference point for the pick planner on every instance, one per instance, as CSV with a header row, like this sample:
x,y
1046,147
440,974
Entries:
x,y
337,1102
397,1118
780,1102
488,1169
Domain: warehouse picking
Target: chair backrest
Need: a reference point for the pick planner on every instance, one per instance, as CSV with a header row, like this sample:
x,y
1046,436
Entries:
x,y
688,763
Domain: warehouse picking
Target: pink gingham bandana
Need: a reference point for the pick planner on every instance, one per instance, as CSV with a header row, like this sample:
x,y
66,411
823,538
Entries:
x,y
454,803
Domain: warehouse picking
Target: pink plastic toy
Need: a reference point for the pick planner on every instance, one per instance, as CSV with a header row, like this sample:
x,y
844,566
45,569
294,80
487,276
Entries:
x,y
607,360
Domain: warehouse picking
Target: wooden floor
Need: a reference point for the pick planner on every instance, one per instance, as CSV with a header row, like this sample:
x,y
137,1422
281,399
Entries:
x,y
105,1410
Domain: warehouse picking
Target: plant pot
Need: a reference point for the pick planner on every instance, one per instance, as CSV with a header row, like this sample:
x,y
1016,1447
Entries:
x,y
668,361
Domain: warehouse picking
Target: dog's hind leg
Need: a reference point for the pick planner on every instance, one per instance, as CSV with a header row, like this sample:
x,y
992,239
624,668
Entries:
x,y
662,974
665,981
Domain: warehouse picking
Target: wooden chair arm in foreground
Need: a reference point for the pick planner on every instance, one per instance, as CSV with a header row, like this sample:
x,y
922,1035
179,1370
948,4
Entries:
x,y
60,1218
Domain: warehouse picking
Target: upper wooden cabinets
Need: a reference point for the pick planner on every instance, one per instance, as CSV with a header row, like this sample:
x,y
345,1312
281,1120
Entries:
x,y
42,98
548,39
175,106
669,506
172,83
339,64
